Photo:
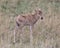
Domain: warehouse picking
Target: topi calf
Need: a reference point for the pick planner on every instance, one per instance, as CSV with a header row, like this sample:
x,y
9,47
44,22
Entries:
x,y
28,20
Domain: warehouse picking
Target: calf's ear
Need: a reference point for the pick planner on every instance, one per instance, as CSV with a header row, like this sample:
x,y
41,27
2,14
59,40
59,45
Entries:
x,y
40,12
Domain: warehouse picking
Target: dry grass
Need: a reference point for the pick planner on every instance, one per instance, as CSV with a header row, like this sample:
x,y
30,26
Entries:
x,y
46,32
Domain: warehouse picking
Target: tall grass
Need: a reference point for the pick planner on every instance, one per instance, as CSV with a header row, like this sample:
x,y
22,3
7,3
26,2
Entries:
x,y
46,32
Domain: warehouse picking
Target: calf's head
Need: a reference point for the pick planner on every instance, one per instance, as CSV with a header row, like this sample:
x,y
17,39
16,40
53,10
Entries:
x,y
39,13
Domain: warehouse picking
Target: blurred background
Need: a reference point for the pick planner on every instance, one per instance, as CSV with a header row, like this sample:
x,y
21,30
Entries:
x,y
46,33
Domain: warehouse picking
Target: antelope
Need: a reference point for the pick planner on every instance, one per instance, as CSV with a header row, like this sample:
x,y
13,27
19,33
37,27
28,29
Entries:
x,y
28,20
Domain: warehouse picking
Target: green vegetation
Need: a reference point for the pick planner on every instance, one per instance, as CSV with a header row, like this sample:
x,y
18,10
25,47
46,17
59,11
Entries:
x,y
46,32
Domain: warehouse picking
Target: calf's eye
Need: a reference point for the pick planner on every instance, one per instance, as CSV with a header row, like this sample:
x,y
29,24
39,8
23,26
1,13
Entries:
x,y
41,18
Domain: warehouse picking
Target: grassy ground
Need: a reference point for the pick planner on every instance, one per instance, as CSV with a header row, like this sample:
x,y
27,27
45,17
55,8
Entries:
x,y
46,32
